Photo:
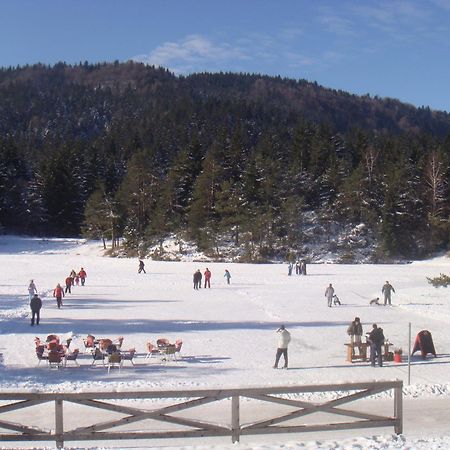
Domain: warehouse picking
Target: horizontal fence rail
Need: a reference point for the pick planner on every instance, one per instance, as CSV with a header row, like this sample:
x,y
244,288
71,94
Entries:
x,y
181,414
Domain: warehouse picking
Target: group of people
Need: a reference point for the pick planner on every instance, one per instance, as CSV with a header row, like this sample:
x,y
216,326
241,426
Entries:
x,y
72,280
386,290
375,339
197,278
59,292
300,268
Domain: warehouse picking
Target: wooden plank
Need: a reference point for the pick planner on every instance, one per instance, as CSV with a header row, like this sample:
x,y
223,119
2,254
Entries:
x,y
235,419
220,393
21,428
20,405
59,424
185,400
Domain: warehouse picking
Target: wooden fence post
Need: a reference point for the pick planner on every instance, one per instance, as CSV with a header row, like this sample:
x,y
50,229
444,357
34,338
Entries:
x,y
59,423
235,420
398,409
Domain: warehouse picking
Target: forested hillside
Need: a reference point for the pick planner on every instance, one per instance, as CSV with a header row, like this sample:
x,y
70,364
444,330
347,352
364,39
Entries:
x,y
266,165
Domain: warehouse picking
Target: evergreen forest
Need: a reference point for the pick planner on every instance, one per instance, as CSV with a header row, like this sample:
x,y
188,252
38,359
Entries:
x,y
133,154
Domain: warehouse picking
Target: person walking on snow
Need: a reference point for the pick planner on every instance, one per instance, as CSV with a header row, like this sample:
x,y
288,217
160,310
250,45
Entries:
x,y
32,289
68,283
141,266
386,290
83,275
284,337
35,306
207,278
329,294
227,275
58,293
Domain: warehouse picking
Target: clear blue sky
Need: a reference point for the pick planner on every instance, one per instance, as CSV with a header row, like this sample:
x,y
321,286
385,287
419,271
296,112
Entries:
x,y
389,48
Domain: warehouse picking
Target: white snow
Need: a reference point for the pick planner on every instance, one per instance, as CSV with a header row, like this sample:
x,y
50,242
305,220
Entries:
x,y
228,331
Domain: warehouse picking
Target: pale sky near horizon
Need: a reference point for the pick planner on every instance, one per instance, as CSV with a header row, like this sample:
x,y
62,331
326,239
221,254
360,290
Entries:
x,y
389,48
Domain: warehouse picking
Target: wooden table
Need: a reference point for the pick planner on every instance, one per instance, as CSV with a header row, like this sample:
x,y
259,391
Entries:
x,y
362,355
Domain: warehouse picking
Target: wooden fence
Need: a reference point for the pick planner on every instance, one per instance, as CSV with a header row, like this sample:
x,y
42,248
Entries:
x,y
63,417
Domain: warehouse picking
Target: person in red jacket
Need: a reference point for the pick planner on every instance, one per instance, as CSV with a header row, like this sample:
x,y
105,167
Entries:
x,y
207,278
58,293
82,274
68,284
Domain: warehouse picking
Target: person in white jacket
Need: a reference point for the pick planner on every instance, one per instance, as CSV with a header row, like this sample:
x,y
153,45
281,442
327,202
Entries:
x,y
284,337
32,289
329,294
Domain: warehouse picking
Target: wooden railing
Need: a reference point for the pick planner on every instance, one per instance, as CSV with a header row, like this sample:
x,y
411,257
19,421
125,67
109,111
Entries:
x,y
63,417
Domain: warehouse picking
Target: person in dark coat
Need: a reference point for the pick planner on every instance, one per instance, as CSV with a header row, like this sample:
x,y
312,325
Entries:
x,y
197,279
35,305
375,340
141,266
227,275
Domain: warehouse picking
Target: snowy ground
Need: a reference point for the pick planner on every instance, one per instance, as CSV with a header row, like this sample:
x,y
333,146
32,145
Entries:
x,y
228,332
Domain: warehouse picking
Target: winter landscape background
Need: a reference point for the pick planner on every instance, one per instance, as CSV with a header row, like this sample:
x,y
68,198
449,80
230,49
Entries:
x,y
228,331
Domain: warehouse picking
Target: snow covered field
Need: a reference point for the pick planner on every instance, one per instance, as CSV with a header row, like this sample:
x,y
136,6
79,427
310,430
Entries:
x,y
228,331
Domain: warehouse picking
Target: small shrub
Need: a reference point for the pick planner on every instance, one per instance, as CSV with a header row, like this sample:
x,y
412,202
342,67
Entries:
x,y
441,280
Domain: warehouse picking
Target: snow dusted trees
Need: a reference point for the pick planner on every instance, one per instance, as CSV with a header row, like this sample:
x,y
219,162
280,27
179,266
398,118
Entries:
x,y
102,217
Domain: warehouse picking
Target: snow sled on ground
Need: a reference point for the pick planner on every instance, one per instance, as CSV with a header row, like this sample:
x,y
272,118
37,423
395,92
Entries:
x,y
336,300
424,344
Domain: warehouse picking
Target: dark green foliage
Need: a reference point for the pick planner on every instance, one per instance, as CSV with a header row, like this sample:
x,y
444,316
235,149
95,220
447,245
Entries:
x,y
441,280
134,151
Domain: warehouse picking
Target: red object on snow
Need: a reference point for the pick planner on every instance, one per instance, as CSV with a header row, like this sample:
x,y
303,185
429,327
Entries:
x,y
424,343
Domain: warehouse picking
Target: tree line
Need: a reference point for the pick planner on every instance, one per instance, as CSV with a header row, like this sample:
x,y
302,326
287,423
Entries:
x,y
133,153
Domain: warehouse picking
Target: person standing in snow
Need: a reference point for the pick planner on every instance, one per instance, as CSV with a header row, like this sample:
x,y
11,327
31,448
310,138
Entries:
x,y
303,267
141,266
83,275
355,332
290,269
32,289
207,278
297,267
386,290
284,337
68,283
58,293
197,278
35,306
227,275
329,294
375,340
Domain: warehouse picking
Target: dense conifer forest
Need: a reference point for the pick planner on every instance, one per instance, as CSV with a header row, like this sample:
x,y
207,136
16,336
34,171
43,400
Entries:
x,y
264,164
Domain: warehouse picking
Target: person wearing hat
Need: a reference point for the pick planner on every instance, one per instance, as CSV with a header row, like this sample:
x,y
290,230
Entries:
x,y
35,305
284,337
